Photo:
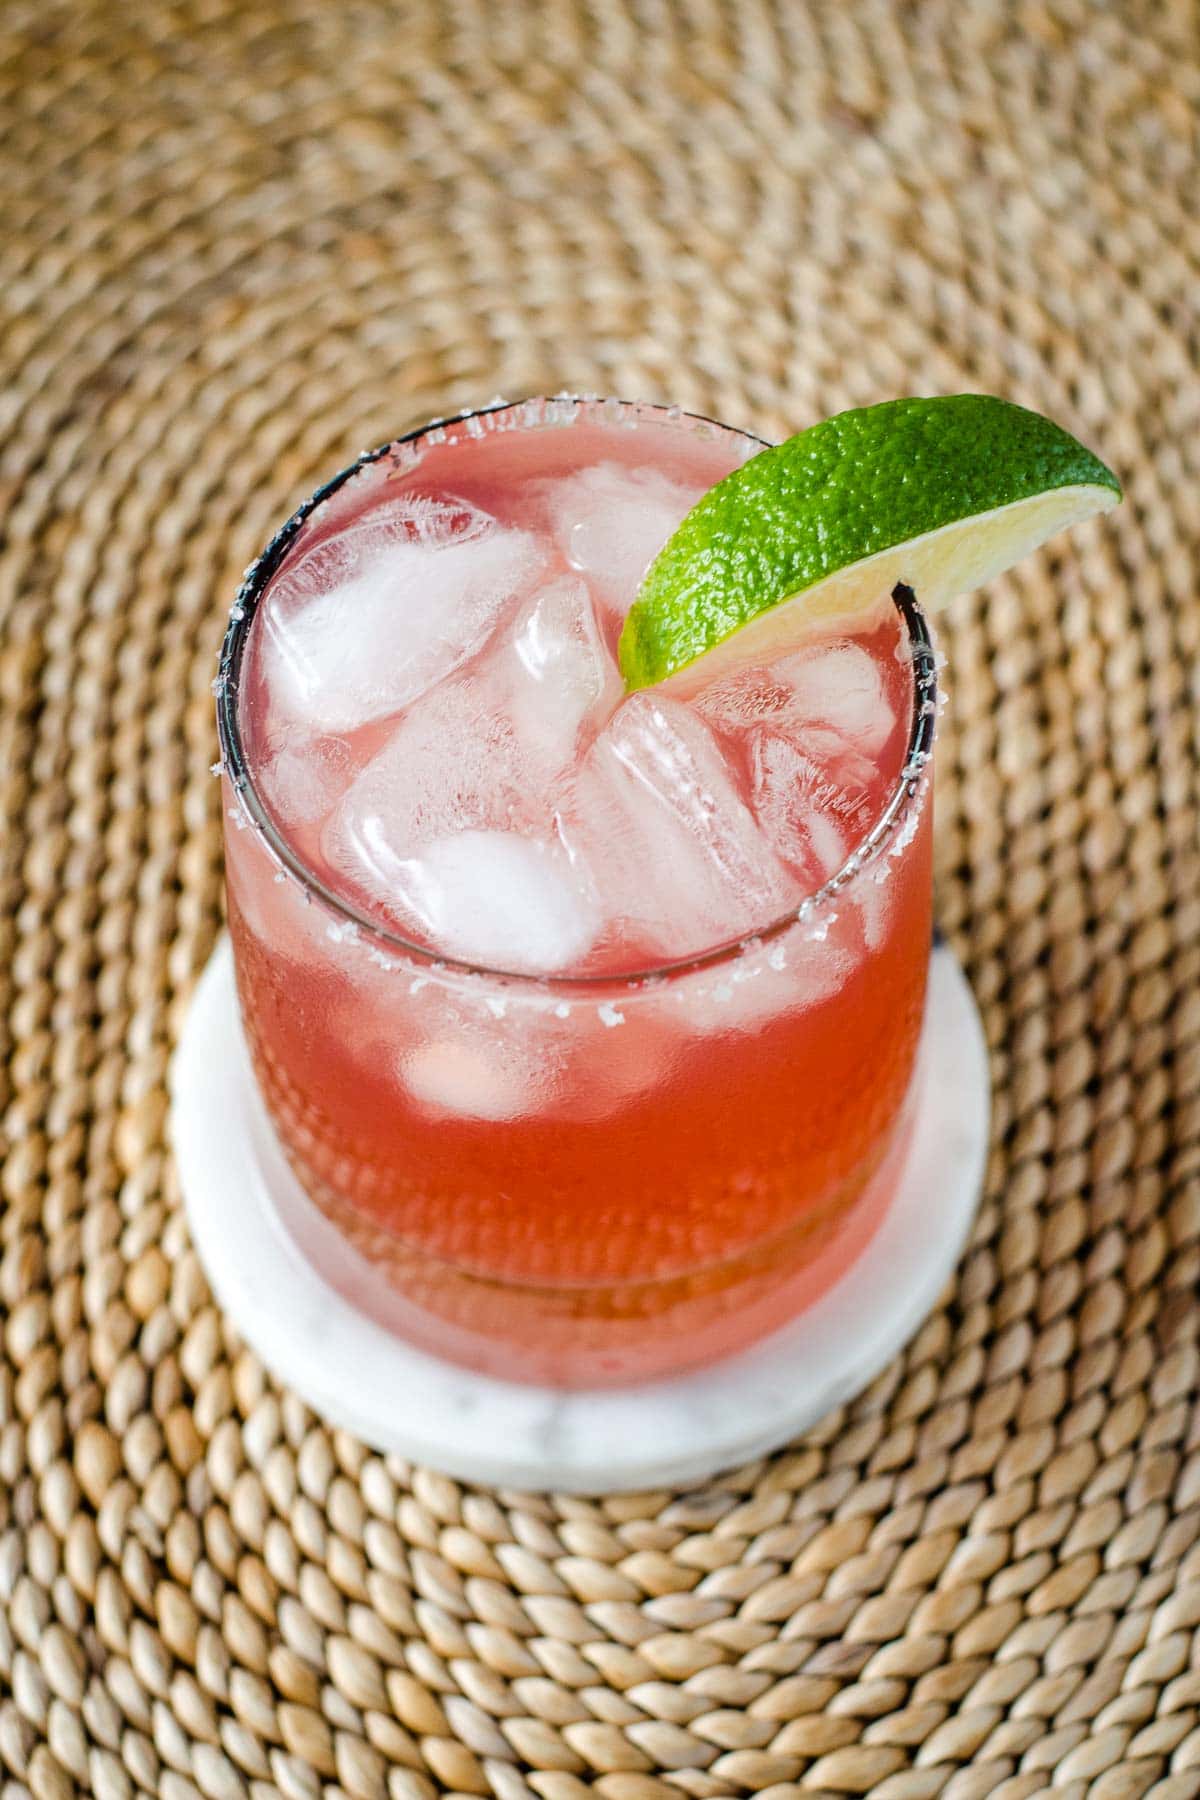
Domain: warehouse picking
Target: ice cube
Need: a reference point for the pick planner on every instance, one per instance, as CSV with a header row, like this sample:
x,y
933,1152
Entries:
x,y
301,778
455,1045
833,685
744,699
495,1054
840,685
554,678
448,765
483,750
675,854
483,896
472,1079
610,521
812,803
759,987
365,622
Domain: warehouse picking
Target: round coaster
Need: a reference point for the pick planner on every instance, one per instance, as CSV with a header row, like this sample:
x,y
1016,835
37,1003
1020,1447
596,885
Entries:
x,y
364,1378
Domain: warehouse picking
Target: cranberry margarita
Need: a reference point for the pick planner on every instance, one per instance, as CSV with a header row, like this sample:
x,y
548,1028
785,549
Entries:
x,y
588,1018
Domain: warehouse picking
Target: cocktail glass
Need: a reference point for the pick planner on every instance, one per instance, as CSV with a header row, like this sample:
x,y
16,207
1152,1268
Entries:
x,y
579,1179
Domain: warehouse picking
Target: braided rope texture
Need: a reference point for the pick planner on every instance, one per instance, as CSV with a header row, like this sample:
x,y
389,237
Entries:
x,y
242,239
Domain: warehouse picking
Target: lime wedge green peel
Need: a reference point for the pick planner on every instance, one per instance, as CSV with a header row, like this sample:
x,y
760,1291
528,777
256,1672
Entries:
x,y
941,494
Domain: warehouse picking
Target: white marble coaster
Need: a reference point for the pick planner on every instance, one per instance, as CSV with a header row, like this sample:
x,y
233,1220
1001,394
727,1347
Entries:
x,y
663,1434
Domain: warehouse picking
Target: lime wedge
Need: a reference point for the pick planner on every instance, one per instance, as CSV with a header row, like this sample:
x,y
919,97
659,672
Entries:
x,y
941,494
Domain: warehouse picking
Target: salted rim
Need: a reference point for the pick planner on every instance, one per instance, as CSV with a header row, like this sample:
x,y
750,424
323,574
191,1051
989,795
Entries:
x,y
543,414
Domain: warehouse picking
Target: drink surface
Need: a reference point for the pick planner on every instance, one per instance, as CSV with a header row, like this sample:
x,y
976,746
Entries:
x,y
437,721
585,1175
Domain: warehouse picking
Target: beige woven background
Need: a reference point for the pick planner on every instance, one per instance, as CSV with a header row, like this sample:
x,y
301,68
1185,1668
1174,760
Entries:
x,y
240,240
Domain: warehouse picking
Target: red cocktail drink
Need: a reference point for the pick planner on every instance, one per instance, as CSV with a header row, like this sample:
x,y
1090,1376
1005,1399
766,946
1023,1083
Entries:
x,y
588,1018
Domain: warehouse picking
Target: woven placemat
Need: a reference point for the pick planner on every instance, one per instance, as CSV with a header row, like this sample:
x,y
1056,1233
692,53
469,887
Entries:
x,y
241,239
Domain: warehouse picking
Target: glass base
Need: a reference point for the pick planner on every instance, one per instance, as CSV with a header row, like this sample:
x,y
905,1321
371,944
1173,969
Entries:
x,y
594,1336
325,1322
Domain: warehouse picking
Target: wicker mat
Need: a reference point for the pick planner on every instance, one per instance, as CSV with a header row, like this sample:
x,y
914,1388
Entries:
x,y
240,240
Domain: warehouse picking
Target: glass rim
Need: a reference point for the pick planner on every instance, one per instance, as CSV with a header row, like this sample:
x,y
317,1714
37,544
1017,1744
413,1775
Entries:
x,y
355,921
